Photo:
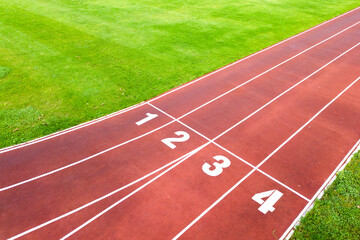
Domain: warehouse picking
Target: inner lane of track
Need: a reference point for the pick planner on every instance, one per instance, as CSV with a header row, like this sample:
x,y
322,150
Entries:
x,y
187,187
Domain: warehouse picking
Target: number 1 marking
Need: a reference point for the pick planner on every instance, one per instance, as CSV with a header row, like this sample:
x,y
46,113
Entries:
x,y
149,117
268,205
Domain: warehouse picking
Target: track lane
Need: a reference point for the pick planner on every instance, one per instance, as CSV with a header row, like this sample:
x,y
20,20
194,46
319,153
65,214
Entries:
x,y
321,190
225,112
66,224
314,153
40,158
80,185
237,216
280,119
234,75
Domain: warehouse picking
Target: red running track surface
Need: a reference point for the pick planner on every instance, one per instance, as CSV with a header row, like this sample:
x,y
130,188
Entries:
x,y
240,153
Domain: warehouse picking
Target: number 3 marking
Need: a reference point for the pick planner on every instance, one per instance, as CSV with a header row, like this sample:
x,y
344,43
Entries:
x,y
222,162
183,136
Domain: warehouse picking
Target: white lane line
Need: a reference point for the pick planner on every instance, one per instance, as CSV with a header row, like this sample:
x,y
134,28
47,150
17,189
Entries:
x,y
136,138
83,160
274,99
241,159
214,204
282,184
167,93
98,199
270,69
261,163
132,193
307,123
341,165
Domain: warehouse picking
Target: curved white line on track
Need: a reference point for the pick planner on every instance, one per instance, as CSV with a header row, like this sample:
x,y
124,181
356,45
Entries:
x,y
83,160
41,139
98,199
198,149
262,162
135,191
203,105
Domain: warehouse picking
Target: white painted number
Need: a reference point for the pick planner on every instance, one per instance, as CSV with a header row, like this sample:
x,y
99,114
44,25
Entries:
x,y
222,162
268,205
149,117
183,136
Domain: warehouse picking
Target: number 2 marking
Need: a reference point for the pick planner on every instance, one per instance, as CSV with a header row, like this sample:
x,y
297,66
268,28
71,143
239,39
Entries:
x,y
222,162
183,136
268,205
149,117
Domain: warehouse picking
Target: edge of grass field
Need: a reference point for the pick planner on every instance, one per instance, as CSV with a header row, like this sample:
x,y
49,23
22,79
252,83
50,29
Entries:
x,y
90,122
290,231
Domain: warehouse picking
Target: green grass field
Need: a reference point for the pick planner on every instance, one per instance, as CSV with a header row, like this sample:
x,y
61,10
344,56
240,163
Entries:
x,y
337,214
63,62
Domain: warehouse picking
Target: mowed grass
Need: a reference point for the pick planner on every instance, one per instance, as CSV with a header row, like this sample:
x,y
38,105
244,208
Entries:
x,y
337,214
64,62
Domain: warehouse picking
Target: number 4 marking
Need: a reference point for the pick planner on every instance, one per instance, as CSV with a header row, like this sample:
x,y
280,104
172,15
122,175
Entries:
x,y
268,205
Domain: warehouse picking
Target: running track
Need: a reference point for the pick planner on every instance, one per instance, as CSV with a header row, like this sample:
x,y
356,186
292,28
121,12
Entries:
x,y
253,144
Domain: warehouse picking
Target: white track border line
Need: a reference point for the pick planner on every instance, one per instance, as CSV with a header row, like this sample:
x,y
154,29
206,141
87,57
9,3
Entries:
x,y
6,149
261,163
176,119
288,233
